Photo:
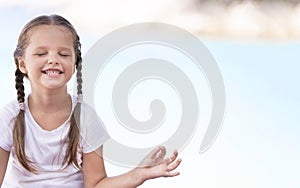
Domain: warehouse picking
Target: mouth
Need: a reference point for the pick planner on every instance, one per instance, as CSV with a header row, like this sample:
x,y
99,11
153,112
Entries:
x,y
52,72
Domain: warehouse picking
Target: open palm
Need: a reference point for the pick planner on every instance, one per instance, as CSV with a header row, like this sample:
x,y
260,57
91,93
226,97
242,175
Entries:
x,y
156,165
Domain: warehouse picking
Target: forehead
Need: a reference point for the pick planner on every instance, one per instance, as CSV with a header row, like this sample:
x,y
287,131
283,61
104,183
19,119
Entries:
x,y
50,35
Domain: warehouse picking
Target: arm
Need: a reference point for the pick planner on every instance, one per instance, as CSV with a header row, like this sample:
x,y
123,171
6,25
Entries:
x,y
153,166
4,156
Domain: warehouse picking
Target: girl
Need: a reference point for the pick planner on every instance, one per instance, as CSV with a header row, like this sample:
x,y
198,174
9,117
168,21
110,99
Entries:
x,y
48,138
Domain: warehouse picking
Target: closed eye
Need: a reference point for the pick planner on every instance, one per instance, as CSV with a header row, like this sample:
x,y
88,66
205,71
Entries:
x,y
64,55
40,54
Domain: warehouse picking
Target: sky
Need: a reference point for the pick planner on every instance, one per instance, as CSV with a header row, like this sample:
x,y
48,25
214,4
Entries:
x,y
258,145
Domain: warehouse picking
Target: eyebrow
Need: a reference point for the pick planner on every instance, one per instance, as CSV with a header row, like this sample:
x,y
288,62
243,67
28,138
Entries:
x,y
60,48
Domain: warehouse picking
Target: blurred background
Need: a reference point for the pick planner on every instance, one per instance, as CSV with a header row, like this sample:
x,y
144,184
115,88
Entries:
x,y
256,46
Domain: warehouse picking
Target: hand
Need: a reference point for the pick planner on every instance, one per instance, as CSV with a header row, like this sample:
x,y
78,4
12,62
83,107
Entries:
x,y
154,165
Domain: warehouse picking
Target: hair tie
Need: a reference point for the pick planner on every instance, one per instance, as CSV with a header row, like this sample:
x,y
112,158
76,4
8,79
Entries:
x,y
80,98
22,106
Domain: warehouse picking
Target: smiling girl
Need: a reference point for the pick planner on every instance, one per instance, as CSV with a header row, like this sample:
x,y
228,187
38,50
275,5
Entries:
x,y
45,137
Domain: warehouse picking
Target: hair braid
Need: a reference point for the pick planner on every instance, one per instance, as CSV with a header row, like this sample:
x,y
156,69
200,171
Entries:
x,y
19,85
74,132
19,127
79,68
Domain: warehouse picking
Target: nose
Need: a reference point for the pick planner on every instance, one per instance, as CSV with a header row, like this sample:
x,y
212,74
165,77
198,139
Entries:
x,y
50,61
53,60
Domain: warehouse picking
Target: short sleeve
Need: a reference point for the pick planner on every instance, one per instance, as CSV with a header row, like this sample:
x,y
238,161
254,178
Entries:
x,y
7,118
93,131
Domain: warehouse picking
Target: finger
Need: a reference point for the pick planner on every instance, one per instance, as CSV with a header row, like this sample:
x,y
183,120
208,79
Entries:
x,y
172,158
153,154
174,165
159,158
155,157
172,174
162,152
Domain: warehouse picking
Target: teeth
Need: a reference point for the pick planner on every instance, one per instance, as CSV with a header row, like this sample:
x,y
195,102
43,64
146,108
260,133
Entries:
x,y
52,72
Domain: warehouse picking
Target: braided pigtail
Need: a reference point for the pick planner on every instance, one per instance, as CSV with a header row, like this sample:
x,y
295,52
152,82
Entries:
x,y
19,126
74,132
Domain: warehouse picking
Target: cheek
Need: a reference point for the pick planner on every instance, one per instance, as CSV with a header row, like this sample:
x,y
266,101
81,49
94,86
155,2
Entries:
x,y
72,68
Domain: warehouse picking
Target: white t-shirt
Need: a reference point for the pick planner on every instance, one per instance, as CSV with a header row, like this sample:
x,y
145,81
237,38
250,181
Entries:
x,y
44,148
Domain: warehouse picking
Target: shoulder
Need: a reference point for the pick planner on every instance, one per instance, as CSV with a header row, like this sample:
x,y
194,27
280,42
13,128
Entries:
x,y
7,119
87,112
87,109
9,111
93,131
89,116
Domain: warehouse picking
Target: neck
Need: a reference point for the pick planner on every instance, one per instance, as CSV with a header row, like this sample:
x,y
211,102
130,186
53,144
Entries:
x,y
49,101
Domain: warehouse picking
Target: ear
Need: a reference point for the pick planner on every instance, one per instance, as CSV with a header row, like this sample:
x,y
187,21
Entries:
x,y
22,65
74,68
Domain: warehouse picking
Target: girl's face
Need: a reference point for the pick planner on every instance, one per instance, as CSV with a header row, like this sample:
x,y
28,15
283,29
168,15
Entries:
x,y
49,58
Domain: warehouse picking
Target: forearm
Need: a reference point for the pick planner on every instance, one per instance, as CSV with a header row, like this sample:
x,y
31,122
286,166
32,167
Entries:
x,y
153,166
4,156
131,179
2,173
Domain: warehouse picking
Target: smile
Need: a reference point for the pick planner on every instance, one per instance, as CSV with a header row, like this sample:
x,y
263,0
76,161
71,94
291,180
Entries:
x,y
52,72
